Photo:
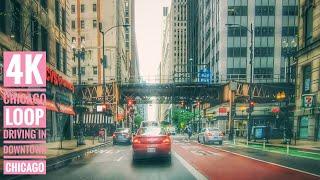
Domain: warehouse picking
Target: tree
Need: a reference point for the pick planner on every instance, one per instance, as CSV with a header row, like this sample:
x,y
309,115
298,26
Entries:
x,y
181,118
138,119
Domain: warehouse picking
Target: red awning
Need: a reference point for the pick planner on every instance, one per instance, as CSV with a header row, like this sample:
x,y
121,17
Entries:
x,y
50,105
66,109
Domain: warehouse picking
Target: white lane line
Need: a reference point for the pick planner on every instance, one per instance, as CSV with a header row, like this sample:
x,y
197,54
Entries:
x,y
119,159
294,169
191,169
109,151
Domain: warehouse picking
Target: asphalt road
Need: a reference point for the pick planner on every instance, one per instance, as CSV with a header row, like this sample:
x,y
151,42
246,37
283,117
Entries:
x,y
215,163
115,162
190,160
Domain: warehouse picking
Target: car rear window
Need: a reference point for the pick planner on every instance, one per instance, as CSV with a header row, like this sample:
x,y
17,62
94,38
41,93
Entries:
x,y
122,130
151,131
149,123
213,129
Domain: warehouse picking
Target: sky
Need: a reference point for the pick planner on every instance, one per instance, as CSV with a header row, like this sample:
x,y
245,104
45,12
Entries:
x,y
148,19
148,24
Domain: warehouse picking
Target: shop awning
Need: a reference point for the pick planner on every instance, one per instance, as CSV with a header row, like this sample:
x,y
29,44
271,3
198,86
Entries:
x,y
66,109
50,105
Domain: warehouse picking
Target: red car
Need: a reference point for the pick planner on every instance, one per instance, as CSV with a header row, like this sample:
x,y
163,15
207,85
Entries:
x,y
151,142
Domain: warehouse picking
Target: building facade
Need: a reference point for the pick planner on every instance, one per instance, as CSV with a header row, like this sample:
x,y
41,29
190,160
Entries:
x,y
307,115
225,39
43,26
85,18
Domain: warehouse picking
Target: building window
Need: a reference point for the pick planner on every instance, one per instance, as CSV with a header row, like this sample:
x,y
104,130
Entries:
x,y
82,24
73,39
16,21
82,8
73,24
83,70
83,39
94,7
290,10
57,12
73,9
95,70
64,21
44,4
58,56
64,58
94,23
44,40
265,10
2,18
34,35
74,70
308,22
306,77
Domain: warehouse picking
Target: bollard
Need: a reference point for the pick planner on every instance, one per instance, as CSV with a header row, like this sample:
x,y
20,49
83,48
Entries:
x,y
287,148
264,144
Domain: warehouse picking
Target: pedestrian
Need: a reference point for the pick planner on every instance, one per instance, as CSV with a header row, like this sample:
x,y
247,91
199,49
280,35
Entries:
x,y
189,131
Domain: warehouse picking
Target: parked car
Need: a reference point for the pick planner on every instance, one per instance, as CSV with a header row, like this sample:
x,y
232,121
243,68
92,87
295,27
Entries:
x,y
122,135
210,135
151,142
149,123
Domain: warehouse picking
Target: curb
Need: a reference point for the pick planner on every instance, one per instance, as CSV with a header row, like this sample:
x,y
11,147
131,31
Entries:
x,y
281,146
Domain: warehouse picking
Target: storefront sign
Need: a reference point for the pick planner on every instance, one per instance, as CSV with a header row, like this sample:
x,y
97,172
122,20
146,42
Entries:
x,y
308,100
56,79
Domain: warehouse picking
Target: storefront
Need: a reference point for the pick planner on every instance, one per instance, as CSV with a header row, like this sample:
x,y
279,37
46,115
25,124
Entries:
x,y
60,112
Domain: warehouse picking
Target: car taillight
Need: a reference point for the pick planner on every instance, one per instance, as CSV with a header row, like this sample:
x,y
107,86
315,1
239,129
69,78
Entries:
x,y
166,141
136,141
209,134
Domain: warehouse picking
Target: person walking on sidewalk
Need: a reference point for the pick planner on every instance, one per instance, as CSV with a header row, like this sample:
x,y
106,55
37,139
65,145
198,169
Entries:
x,y
189,132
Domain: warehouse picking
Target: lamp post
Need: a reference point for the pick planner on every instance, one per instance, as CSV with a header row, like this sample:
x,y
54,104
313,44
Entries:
x,y
251,31
289,50
104,59
79,53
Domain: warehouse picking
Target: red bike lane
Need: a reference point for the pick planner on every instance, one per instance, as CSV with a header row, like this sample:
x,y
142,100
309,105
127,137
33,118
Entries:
x,y
217,164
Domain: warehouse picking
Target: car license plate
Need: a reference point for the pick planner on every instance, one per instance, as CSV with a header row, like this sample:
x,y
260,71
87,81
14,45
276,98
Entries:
x,y
151,150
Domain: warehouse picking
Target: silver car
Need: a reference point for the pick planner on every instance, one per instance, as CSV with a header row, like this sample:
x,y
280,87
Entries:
x,y
210,135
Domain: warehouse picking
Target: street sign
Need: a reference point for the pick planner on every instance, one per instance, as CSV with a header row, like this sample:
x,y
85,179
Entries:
x,y
205,75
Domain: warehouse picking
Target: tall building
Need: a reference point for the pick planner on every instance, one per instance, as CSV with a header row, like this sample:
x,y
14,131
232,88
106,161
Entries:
x,y
42,26
226,48
174,42
307,121
85,18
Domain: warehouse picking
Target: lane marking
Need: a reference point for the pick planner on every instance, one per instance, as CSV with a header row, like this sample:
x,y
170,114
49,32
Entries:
x,y
189,167
294,169
119,159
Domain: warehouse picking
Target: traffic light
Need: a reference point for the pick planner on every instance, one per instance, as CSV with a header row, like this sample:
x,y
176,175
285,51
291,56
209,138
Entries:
x,y
251,106
130,102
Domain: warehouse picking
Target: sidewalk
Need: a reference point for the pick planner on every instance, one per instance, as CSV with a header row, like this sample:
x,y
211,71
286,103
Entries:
x,y
68,146
312,146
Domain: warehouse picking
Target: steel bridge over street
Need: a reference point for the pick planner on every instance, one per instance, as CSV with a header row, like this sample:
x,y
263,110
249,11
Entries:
x,y
173,91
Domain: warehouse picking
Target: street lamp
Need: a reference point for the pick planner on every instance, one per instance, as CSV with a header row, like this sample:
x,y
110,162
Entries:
x,y
79,53
104,59
289,50
251,31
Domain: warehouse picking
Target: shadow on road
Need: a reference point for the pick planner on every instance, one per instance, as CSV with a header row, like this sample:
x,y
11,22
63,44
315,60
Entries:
x,y
151,163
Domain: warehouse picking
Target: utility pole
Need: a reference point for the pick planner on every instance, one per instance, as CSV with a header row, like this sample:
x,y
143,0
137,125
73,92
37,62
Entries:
x,y
250,85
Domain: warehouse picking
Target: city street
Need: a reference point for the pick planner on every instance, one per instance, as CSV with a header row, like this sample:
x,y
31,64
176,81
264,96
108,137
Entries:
x,y
190,160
